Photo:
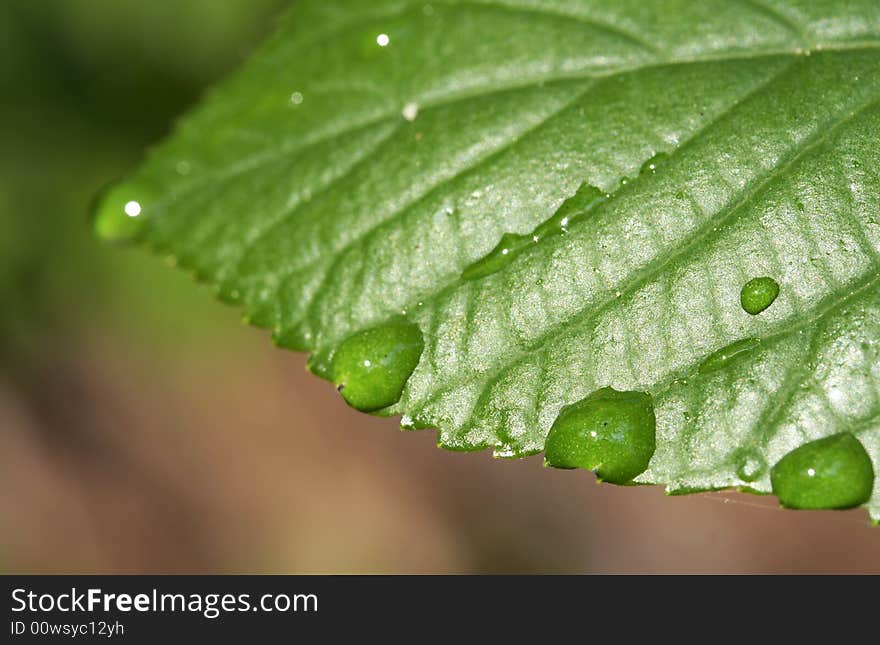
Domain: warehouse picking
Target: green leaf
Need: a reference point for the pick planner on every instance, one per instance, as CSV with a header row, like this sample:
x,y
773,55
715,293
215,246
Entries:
x,y
372,153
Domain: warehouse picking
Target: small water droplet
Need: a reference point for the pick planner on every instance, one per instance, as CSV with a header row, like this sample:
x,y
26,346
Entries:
x,y
834,472
410,111
750,464
371,367
497,258
121,211
610,432
183,167
651,165
296,98
757,294
576,207
723,357
382,40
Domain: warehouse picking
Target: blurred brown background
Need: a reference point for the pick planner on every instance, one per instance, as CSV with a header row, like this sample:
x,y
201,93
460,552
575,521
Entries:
x,y
144,430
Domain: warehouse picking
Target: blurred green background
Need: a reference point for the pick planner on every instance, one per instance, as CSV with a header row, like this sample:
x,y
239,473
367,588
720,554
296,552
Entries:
x,y
145,430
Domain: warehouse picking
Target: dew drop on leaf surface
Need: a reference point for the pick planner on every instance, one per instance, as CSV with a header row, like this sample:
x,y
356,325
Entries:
x,y
651,165
610,432
571,210
834,472
722,357
121,210
758,293
750,464
372,367
497,258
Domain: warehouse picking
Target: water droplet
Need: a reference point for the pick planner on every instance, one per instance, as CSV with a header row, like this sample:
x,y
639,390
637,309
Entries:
x,y
410,111
382,40
121,211
610,432
296,98
750,464
757,294
183,167
723,357
834,472
652,164
496,258
576,207
372,367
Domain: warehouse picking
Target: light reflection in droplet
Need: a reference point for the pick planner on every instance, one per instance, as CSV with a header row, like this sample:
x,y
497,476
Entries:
x,y
410,111
132,209
296,98
382,40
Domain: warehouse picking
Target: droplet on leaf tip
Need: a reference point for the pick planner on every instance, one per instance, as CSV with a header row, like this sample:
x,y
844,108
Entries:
x,y
371,367
830,473
610,432
120,211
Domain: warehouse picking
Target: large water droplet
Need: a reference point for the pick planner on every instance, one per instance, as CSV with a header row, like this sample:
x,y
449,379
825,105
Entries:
x,y
610,432
723,357
834,472
372,367
121,210
757,294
